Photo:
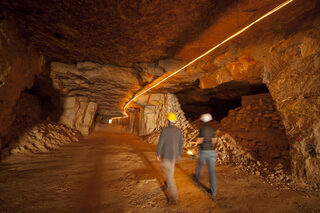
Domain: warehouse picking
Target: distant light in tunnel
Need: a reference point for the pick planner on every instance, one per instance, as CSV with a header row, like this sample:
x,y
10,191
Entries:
x,y
204,54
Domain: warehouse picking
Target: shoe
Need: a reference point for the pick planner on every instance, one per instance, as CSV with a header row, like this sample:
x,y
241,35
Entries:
x,y
165,185
173,202
195,179
214,197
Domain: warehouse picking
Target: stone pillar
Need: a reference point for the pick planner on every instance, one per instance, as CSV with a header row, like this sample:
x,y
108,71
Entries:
x,y
153,116
78,113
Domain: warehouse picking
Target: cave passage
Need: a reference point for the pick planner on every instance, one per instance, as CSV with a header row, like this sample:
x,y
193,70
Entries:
x,y
71,70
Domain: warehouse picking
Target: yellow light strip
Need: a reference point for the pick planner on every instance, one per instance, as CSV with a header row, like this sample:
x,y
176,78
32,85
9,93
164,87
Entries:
x,y
204,54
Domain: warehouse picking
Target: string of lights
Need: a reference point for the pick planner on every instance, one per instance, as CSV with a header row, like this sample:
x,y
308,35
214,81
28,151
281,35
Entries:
x,y
201,56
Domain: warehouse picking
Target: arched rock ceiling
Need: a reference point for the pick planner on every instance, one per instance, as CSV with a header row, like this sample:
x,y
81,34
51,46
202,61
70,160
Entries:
x,y
123,32
241,60
118,32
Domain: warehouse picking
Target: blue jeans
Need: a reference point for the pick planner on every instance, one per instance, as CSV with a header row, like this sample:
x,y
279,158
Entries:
x,y
210,157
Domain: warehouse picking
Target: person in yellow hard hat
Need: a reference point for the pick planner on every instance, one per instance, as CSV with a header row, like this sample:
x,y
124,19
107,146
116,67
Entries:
x,y
168,152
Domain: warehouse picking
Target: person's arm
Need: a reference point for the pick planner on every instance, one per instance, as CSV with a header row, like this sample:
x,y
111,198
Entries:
x,y
200,137
214,140
160,144
181,145
199,140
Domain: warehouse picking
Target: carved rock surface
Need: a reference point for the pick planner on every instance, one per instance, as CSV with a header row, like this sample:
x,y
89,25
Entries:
x,y
43,137
242,69
258,129
294,83
119,32
19,63
108,86
78,113
152,116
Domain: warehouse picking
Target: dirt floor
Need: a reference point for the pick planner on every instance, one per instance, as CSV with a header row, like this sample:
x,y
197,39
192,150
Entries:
x,y
113,172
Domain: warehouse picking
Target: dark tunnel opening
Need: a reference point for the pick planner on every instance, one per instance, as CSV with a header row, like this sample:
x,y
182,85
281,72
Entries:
x,y
217,101
218,108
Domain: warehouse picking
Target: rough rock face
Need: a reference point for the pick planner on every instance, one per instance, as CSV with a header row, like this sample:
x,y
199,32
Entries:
x,y
78,113
106,85
19,63
293,77
153,111
118,32
30,133
244,68
110,87
231,152
43,137
258,129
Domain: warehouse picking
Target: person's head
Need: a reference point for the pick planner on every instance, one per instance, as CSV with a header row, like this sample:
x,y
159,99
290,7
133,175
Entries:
x,y
205,118
172,117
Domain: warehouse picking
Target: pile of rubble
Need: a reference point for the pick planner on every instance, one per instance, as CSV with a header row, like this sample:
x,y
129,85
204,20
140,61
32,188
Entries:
x,y
42,137
258,128
231,152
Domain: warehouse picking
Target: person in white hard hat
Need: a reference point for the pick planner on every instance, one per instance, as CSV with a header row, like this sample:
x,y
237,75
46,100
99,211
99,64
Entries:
x,y
207,139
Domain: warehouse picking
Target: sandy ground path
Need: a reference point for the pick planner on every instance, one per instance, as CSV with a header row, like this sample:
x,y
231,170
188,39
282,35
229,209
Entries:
x,y
112,172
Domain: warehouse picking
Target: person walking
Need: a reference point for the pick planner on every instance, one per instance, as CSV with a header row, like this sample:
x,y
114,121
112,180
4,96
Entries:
x,y
207,139
169,150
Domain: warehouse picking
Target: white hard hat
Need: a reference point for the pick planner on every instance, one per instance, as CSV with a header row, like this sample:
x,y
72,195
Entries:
x,y
206,117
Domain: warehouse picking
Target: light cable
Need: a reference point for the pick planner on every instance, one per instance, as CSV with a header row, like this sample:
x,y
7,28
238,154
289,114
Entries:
x,y
204,54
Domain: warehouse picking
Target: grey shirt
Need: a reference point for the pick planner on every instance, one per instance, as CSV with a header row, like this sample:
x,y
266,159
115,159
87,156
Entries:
x,y
170,143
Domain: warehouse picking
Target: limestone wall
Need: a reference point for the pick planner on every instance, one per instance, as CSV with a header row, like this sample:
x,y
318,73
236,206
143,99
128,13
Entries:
x,y
292,74
257,127
288,62
19,63
78,113
153,110
30,133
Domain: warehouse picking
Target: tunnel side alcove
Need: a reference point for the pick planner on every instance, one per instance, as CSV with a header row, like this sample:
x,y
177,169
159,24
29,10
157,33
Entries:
x,y
217,101
246,113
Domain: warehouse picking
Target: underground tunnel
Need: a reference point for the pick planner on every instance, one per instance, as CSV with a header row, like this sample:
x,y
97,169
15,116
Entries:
x,y
86,87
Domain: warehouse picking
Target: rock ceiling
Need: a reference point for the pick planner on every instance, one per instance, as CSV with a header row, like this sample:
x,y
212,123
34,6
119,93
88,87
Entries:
x,y
122,32
118,32
136,35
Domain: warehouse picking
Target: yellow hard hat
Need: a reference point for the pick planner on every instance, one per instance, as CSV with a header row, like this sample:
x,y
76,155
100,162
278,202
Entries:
x,y
172,117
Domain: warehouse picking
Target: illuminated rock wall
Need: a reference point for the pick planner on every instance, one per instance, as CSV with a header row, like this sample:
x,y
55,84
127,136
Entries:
x,y
110,86
153,116
78,113
19,63
258,129
289,64
292,74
